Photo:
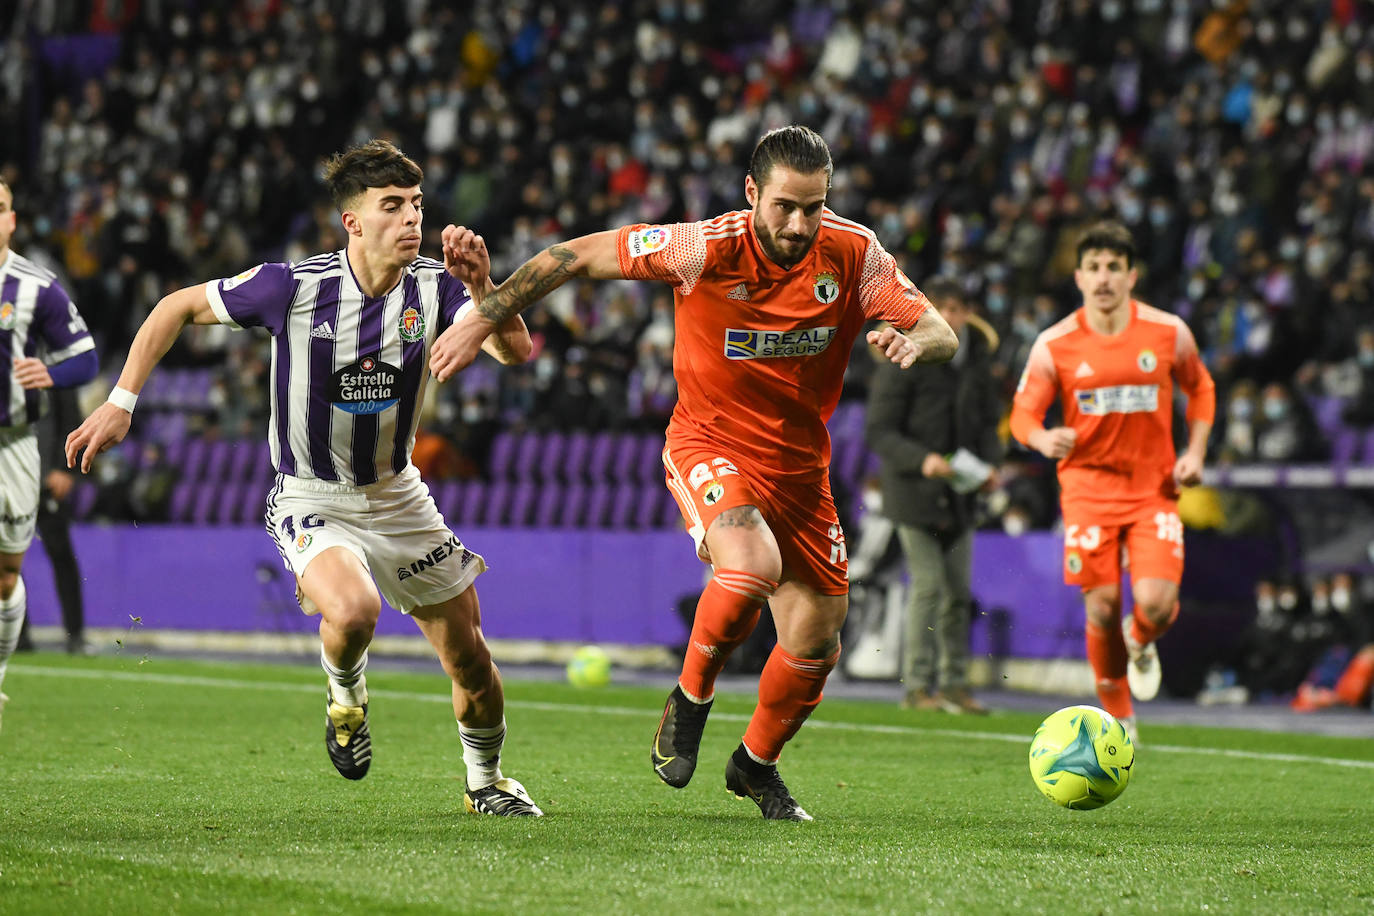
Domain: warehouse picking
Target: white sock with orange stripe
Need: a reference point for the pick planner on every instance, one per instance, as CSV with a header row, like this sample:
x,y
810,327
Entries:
x,y
726,614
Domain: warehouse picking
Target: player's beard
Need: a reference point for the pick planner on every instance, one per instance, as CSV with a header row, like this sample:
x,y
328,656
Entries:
x,y
776,253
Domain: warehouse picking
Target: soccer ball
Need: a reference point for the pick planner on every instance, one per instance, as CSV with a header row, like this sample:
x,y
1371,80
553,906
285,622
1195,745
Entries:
x,y
590,666
1081,757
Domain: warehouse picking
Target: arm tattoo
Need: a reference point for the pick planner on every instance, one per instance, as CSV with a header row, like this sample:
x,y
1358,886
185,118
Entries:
x,y
530,282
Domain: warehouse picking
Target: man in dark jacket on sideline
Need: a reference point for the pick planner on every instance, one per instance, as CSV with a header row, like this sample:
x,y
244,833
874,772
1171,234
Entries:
x,y
926,426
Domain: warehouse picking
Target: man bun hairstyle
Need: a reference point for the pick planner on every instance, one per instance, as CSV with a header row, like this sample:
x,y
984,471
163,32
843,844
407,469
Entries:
x,y
1108,235
796,147
374,164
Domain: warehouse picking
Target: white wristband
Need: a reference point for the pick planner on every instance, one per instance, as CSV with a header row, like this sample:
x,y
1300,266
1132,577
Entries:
x,y
123,399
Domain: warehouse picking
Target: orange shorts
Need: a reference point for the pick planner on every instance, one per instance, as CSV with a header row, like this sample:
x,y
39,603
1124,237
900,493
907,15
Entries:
x,y
1148,542
705,481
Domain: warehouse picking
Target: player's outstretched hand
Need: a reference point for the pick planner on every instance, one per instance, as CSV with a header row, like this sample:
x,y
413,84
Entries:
x,y
31,373
1188,470
105,428
896,346
456,348
466,257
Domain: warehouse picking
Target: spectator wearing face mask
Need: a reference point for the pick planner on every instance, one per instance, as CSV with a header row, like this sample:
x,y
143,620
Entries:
x,y
1286,432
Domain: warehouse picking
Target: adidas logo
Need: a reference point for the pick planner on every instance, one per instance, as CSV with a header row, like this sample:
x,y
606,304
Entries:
x,y
323,330
739,292
1084,370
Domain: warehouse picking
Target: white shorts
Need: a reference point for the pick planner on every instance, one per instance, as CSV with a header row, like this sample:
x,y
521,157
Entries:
x,y
392,526
18,488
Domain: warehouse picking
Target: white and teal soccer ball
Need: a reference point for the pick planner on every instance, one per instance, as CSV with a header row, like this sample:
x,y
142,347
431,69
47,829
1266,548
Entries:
x,y
590,666
1081,757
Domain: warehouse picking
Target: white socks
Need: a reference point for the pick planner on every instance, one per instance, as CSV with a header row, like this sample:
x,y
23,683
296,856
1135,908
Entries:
x,y
347,688
482,753
11,622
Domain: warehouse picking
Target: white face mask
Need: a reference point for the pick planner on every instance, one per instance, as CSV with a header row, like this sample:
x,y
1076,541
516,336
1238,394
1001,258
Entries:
x,y
873,500
1340,600
1014,524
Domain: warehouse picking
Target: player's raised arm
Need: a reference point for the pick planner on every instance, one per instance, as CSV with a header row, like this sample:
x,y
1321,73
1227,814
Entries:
x,y
466,258
592,256
108,424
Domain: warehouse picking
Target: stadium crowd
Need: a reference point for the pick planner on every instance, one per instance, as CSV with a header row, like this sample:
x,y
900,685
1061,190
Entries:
x,y
152,142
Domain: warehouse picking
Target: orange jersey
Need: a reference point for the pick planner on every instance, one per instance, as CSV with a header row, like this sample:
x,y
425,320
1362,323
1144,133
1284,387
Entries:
x,y
761,351
1117,392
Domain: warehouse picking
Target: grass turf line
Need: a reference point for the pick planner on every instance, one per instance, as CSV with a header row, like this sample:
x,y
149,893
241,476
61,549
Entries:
x,y
174,786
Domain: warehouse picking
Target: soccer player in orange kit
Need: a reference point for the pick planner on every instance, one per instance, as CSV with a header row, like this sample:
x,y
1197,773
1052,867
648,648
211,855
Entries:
x,y
769,302
1113,364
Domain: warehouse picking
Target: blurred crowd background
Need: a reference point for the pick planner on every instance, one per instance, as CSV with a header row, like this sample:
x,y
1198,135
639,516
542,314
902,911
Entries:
x,y
156,143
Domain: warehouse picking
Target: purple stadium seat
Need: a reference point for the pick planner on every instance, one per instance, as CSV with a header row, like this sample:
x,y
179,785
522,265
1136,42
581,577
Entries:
x,y
193,460
571,513
1367,453
650,459
625,464
175,451
549,505
474,498
527,456
1326,411
498,503
651,496
203,508
241,457
598,505
623,505
550,458
262,461
229,505
669,515
522,503
182,501
253,500
217,461
600,456
502,454
574,462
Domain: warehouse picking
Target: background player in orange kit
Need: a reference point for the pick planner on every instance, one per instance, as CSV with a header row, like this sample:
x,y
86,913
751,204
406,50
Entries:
x,y
1113,364
769,302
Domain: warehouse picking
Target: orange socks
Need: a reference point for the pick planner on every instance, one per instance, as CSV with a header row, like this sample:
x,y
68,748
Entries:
x,y
1107,655
726,614
789,689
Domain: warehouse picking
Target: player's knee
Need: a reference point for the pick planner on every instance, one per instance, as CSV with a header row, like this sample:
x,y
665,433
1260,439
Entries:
x,y
9,580
354,616
1103,606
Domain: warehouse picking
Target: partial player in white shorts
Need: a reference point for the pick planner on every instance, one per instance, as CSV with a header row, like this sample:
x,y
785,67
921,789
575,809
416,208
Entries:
x,y
19,488
393,527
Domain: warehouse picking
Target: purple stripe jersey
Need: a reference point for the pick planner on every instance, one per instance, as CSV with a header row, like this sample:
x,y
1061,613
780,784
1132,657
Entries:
x,y
348,370
37,318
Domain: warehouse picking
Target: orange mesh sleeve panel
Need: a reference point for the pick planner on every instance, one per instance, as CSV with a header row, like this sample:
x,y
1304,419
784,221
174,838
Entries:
x,y
673,254
885,292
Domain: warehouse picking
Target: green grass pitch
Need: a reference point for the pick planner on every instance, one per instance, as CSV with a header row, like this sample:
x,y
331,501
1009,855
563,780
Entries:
x,y
133,785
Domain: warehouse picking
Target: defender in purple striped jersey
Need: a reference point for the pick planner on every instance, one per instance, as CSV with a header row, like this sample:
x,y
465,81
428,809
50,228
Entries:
x,y
43,344
351,332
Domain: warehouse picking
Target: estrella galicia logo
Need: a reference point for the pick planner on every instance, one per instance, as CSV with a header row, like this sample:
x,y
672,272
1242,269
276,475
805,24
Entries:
x,y
435,557
367,386
742,343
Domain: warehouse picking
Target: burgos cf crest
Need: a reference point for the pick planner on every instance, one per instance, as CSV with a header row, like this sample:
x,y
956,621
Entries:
x,y
1146,361
6,316
412,324
827,287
